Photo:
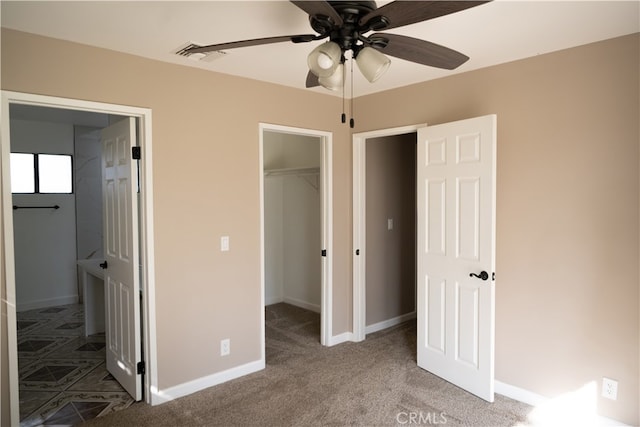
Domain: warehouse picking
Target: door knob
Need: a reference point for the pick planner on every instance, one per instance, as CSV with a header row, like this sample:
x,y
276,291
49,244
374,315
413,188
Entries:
x,y
103,265
483,275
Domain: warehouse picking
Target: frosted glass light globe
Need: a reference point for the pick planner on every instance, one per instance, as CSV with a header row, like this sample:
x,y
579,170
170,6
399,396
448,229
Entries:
x,y
324,61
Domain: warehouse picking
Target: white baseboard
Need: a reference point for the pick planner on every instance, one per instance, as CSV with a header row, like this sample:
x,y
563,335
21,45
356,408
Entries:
x,y
339,339
273,300
49,302
389,323
538,401
519,394
302,304
162,396
349,336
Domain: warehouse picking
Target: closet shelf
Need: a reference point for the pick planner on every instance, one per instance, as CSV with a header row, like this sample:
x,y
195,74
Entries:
x,y
310,175
292,171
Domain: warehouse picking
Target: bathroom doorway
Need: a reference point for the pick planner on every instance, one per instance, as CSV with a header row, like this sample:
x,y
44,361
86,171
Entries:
x,y
60,315
61,355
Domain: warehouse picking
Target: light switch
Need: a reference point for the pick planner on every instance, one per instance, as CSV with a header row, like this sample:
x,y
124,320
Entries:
x,y
390,224
224,243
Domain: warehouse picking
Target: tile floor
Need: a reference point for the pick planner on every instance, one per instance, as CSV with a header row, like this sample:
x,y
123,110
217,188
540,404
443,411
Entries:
x,y
63,376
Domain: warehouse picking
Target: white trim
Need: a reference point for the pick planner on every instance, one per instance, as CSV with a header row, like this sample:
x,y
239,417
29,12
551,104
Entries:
x,y
535,399
9,263
359,238
146,229
273,300
147,252
519,394
261,310
389,323
326,207
303,304
339,339
48,302
185,389
293,301
360,222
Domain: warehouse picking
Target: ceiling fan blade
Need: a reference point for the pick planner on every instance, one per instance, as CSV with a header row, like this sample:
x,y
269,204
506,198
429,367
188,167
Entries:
x,y
314,8
418,51
312,80
301,38
400,13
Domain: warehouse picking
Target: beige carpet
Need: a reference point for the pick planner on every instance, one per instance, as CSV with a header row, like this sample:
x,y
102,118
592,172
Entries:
x,y
372,383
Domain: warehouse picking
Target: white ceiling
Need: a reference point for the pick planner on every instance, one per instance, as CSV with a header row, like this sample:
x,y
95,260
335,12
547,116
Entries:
x,y
494,33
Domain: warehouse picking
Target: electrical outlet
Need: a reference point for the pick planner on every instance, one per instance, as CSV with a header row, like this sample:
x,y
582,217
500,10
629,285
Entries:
x,y
224,243
609,388
225,347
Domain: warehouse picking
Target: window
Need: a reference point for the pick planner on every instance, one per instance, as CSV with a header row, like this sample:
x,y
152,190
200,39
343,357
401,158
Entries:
x,y
41,173
22,176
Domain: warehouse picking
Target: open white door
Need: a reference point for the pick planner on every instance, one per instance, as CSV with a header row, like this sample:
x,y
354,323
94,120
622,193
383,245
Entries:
x,y
456,240
122,284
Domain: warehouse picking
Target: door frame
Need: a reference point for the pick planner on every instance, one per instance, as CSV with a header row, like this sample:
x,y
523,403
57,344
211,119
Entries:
x,y
359,204
326,225
146,231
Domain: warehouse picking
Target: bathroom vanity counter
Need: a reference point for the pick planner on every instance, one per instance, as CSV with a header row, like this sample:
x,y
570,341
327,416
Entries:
x,y
91,278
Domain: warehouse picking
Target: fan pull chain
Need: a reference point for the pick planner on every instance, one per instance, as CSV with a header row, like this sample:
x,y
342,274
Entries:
x,y
351,122
344,116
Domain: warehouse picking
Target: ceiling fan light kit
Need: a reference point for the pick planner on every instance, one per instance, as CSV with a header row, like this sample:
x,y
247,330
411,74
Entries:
x,y
324,59
372,63
335,81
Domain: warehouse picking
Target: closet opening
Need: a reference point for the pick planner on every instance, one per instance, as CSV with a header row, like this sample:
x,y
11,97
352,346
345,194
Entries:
x,y
296,239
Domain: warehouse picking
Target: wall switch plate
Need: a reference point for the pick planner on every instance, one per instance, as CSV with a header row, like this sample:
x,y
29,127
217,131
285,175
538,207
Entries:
x,y
609,388
224,243
390,224
225,347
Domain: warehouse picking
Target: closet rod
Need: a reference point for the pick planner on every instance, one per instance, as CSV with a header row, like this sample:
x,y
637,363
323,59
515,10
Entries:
x,y
292,171
35,207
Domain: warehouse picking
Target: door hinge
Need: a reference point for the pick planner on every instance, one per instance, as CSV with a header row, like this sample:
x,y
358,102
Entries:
x,y
141,368
357,251
136,153
324,252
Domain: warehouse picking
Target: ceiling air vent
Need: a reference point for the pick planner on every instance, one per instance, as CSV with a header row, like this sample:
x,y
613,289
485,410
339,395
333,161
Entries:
x,y
207,57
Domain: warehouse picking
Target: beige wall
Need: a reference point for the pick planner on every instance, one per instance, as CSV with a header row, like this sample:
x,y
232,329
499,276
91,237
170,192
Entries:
x,y
206,170
568,190
567,209
390,254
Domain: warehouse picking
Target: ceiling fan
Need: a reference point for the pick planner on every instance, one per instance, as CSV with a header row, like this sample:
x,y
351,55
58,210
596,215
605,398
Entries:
x,y
347,23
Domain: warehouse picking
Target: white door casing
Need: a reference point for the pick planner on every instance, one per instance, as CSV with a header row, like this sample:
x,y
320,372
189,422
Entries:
x,y
359,255
326,225
456,238
153,396
122,281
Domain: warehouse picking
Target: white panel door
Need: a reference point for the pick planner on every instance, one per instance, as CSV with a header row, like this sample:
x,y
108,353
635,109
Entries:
x,y
456,240
122,284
